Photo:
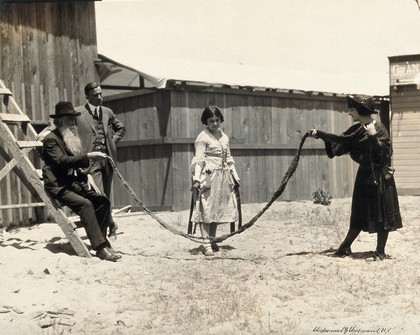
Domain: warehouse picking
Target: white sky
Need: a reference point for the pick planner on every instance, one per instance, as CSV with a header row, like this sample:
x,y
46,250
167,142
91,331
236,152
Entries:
x,y
339,46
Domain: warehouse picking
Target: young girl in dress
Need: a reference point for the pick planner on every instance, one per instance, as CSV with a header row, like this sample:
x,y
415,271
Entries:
x,y
214,177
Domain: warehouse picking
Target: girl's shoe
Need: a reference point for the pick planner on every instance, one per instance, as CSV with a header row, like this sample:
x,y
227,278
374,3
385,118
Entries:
x,y
208,251
214,246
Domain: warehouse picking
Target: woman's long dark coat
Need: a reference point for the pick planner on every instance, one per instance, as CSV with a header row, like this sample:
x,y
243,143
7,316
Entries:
x,y
375,201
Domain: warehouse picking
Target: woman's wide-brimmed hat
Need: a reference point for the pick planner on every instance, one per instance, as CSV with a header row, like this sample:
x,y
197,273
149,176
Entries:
x,y
365,104
64,108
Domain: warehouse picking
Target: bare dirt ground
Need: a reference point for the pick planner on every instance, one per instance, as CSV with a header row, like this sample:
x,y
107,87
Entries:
x,y
272,279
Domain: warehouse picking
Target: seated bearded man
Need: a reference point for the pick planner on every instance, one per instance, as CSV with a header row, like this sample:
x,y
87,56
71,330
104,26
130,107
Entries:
x,y
65,180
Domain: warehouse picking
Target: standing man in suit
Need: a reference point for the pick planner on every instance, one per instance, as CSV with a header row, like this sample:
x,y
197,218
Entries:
x,y
100,130
66,180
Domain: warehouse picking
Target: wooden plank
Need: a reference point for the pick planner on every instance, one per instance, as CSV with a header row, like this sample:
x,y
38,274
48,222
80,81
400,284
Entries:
x,y
181,115
406,133
12,67
58,26
227,125
269,171
74,85
261,190
138,143
14,193
127,161
406,141
164,185
266,165
410,96
408,191
9,182
14,118
22,205
246,177
5,91
120,194
150,172
406,114
402,128
180,194
406,164
407,106
29,144
275,139
197,103
26,22
409,156
7,168
33,102
45,52
85,12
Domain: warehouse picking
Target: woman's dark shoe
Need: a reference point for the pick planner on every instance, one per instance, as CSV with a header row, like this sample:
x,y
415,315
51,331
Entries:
x,y
342,252
107,255
380,256
214,247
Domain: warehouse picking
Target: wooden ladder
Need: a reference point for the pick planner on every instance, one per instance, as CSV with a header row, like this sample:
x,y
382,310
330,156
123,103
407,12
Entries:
x,y
18,161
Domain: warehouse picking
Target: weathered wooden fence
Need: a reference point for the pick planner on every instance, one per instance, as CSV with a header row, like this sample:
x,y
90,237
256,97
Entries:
x,y
265,128
48,51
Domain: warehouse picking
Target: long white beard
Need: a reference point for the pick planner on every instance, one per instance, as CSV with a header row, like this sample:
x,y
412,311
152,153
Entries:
x,y
72,140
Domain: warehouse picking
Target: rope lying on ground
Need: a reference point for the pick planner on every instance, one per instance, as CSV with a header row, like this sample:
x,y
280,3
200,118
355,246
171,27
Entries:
x,y
290,171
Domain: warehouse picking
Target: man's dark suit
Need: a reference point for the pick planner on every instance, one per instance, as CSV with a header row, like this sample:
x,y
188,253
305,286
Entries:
x,y
101,171
66,182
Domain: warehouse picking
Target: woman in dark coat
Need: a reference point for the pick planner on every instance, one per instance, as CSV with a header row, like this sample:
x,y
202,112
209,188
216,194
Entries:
x,y
375,207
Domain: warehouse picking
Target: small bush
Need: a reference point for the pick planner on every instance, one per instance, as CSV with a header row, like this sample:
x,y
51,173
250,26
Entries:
x,y
321,197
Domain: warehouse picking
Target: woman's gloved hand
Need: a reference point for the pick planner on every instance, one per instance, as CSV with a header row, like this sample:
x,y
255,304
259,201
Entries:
x,y
315,133
370,129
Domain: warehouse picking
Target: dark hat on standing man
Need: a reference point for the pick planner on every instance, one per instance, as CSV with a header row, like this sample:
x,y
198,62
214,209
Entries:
x,y
64,108
365,104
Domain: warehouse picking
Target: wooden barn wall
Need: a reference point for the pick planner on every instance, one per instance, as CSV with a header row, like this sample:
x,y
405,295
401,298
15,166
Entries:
x,y
405,130
47,55
265,129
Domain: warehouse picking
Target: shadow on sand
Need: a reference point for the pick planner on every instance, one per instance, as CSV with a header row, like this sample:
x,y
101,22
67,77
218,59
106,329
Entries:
x,y
200,249
365,255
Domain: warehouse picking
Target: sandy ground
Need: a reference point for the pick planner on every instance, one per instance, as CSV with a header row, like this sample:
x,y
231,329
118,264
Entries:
x,y
272,279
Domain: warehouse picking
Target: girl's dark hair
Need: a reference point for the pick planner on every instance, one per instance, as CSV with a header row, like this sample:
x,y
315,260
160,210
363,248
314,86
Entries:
x,y
209,112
